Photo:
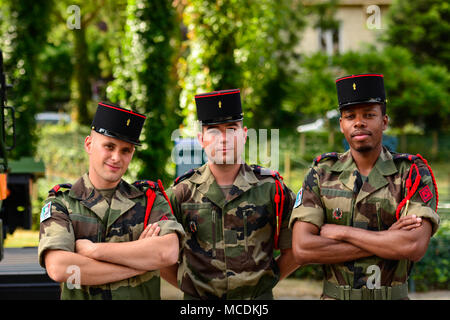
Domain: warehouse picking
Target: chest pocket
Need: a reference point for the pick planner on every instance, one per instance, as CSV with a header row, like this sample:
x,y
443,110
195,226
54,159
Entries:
x,y
378,210
86,227
338,204
198,220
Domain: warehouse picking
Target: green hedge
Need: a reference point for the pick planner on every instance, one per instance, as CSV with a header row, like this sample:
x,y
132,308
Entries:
x,y
433,271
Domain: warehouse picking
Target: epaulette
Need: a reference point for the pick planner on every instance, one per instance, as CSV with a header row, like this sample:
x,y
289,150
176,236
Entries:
x,y
332,155
266,171
56,188
404,156
145,184
184,176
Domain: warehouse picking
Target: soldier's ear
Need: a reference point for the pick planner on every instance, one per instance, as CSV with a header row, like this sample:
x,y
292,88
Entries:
x,y
385,121
340,124
200,138
88,144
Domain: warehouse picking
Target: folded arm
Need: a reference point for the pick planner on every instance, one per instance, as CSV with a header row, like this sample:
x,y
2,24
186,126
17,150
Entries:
x,y
310,247
390,244
59,265
147,253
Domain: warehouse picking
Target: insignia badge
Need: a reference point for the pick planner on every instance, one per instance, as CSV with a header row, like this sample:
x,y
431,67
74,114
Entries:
x,y
220,104
46,211
354,86
426,194
299,198
337,213
128,122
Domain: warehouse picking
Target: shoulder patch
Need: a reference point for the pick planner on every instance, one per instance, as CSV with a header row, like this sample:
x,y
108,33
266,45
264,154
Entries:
x,y
56,188
328,155
184,176
46,212
299,198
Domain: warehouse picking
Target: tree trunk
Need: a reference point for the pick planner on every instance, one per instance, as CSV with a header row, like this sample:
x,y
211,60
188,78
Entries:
x,y
83,85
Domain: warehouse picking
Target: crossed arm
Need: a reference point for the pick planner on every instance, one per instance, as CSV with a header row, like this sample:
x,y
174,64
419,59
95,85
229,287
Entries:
x,y
406,239
102,263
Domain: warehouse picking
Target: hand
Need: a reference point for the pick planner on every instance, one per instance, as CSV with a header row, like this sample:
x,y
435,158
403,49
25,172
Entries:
x,y
407,223
85,247
332,231
152,230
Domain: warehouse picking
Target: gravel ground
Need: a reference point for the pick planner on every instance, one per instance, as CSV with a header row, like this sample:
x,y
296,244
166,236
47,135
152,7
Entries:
x,y
294,289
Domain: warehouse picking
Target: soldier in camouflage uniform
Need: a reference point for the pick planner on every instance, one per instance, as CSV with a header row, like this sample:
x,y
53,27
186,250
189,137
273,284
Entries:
x,y
228,211
347,214
92,234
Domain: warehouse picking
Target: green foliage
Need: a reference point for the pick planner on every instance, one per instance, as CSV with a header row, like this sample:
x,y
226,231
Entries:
x,y
314,90
143,80
241,44
433,271
422,27
24,27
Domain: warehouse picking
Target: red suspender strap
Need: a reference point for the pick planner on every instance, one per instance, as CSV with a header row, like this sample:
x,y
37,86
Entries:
x,y
151,195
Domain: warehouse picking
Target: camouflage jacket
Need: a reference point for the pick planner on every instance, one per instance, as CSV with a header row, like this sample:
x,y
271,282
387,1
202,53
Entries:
x,y
228,249
333,192
78,213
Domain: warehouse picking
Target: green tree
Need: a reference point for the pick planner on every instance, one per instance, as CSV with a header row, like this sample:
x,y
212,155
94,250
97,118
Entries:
x,y
421,26
241,44
143,80
24,30
77,17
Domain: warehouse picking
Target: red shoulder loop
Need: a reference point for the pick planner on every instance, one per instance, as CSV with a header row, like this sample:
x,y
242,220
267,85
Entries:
x,y
56,188
332,155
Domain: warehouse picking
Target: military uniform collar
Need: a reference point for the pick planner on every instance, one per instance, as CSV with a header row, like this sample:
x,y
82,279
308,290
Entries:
x,y
92,199
209,187
83,189
245,175
384,165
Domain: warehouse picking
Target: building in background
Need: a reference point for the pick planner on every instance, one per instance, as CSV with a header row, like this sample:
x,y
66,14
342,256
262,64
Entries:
x,y
359,22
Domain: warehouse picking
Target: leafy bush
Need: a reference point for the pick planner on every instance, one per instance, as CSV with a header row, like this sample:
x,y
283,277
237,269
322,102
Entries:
x,y
433,271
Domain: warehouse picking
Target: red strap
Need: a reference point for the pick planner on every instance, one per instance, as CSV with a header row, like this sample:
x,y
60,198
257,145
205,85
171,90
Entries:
x,y
434,180
412,188
161,188
279,204
151,195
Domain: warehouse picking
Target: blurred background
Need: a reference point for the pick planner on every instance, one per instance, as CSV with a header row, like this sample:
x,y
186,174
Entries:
x,y
63,57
